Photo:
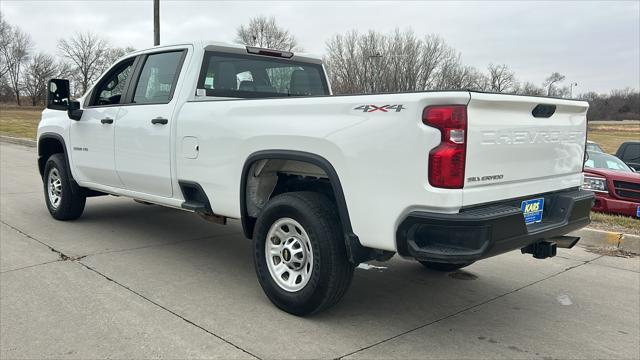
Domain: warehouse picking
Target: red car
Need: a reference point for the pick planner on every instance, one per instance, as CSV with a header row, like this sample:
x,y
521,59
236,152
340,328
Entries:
x,y
616,186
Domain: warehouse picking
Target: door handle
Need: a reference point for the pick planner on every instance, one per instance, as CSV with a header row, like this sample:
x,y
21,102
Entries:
x,y
159,120
107,121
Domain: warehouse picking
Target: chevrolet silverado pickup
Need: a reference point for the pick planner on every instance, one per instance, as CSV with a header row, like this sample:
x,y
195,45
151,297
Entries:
x,y
320,183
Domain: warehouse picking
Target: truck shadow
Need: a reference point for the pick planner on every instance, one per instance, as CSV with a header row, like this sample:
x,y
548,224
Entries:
x,y
217,249
204,272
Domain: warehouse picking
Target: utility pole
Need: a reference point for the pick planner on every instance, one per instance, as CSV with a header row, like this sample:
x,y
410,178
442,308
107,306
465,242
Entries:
x,y
156,22
571,89
372,82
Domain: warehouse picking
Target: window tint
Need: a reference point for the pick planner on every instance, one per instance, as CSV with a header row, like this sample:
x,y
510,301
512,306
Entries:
x,y
248,76
156,81
631,153
110,89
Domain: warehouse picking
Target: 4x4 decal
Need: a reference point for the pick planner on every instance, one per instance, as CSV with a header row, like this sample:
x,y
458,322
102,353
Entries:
x,y
383,108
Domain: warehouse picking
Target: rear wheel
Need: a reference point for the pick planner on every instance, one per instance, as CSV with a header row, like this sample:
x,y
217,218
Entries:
x,y
299,253
64,199
444,267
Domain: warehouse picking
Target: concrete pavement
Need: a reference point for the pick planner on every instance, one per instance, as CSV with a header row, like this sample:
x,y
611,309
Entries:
x,y
135,281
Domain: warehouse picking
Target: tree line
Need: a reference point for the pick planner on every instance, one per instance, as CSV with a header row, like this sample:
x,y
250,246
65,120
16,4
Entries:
x,y
369,62
25,72
375,62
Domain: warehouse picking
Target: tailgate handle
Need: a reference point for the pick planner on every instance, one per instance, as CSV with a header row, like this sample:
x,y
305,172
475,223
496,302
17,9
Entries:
x,y
543,110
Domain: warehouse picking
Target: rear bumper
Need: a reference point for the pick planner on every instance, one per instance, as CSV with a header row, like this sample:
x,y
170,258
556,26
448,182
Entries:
x,y
606,204
488,230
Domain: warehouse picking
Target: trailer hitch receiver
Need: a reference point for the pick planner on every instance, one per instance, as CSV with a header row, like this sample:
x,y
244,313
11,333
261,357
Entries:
x,y
541,249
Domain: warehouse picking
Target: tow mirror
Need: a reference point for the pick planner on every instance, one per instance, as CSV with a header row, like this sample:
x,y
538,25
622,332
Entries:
x,y
58,94
74,111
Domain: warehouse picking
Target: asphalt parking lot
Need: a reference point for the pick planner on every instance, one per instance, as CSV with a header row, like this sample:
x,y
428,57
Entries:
x,y
134,281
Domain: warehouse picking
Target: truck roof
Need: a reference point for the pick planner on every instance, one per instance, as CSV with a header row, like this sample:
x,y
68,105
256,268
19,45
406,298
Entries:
x,y
232,48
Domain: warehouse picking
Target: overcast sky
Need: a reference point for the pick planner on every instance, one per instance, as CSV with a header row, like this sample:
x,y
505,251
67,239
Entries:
x,y
596,44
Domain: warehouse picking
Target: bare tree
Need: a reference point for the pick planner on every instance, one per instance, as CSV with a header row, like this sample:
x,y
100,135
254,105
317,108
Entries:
x,y
451,74
38,71
501,78
377,62
265,33
549,82
432,54
476,80
342,62
529,88
64,69
5,39
113,54
620,104
86,51
14,49
6,94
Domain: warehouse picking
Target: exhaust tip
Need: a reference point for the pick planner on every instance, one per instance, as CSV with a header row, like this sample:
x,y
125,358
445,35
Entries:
x,y
566,242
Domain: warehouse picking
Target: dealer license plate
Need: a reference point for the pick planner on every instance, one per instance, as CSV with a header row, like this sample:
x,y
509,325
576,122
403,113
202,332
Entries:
x,y
532,210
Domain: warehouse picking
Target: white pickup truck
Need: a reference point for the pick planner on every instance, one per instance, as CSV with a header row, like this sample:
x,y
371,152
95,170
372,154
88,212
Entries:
x,y
319,182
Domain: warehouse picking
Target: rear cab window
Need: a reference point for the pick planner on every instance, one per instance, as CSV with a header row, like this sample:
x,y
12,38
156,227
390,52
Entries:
x,y
255,76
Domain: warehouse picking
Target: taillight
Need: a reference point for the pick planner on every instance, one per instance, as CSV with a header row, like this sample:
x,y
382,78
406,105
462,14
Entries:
x,y
446,161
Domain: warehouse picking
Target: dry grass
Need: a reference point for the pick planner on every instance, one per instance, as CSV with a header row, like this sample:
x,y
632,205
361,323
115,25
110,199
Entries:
x,y
610,136
615,223
19,122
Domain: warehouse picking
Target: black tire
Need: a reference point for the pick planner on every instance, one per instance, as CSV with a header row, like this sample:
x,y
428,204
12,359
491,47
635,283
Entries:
x,y
444,267
331,272
71,198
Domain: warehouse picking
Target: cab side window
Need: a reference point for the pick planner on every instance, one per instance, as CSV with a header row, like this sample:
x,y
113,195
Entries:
x,y
111,88
158,78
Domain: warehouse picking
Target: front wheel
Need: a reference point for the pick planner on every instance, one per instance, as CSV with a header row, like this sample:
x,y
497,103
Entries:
x,y
64,199
444,267
299,253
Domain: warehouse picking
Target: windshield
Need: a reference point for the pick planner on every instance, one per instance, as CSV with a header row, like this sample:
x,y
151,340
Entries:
x,y
252,76
598,160
591,146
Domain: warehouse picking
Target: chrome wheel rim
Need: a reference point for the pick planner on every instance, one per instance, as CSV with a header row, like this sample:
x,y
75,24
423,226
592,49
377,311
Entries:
x,y
54,187
289,254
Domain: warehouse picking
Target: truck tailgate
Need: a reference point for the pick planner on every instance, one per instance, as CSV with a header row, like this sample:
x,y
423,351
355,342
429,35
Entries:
x,y
518,154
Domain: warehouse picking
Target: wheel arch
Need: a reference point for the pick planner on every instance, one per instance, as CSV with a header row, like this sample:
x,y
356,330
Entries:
x,y
49,144
301,156
357,253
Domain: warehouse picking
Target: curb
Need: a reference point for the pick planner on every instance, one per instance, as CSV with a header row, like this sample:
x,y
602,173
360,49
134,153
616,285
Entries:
x,y
18,141
600,238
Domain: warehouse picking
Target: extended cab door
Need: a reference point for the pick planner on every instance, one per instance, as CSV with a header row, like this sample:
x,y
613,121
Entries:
x,y
143,129
92,137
